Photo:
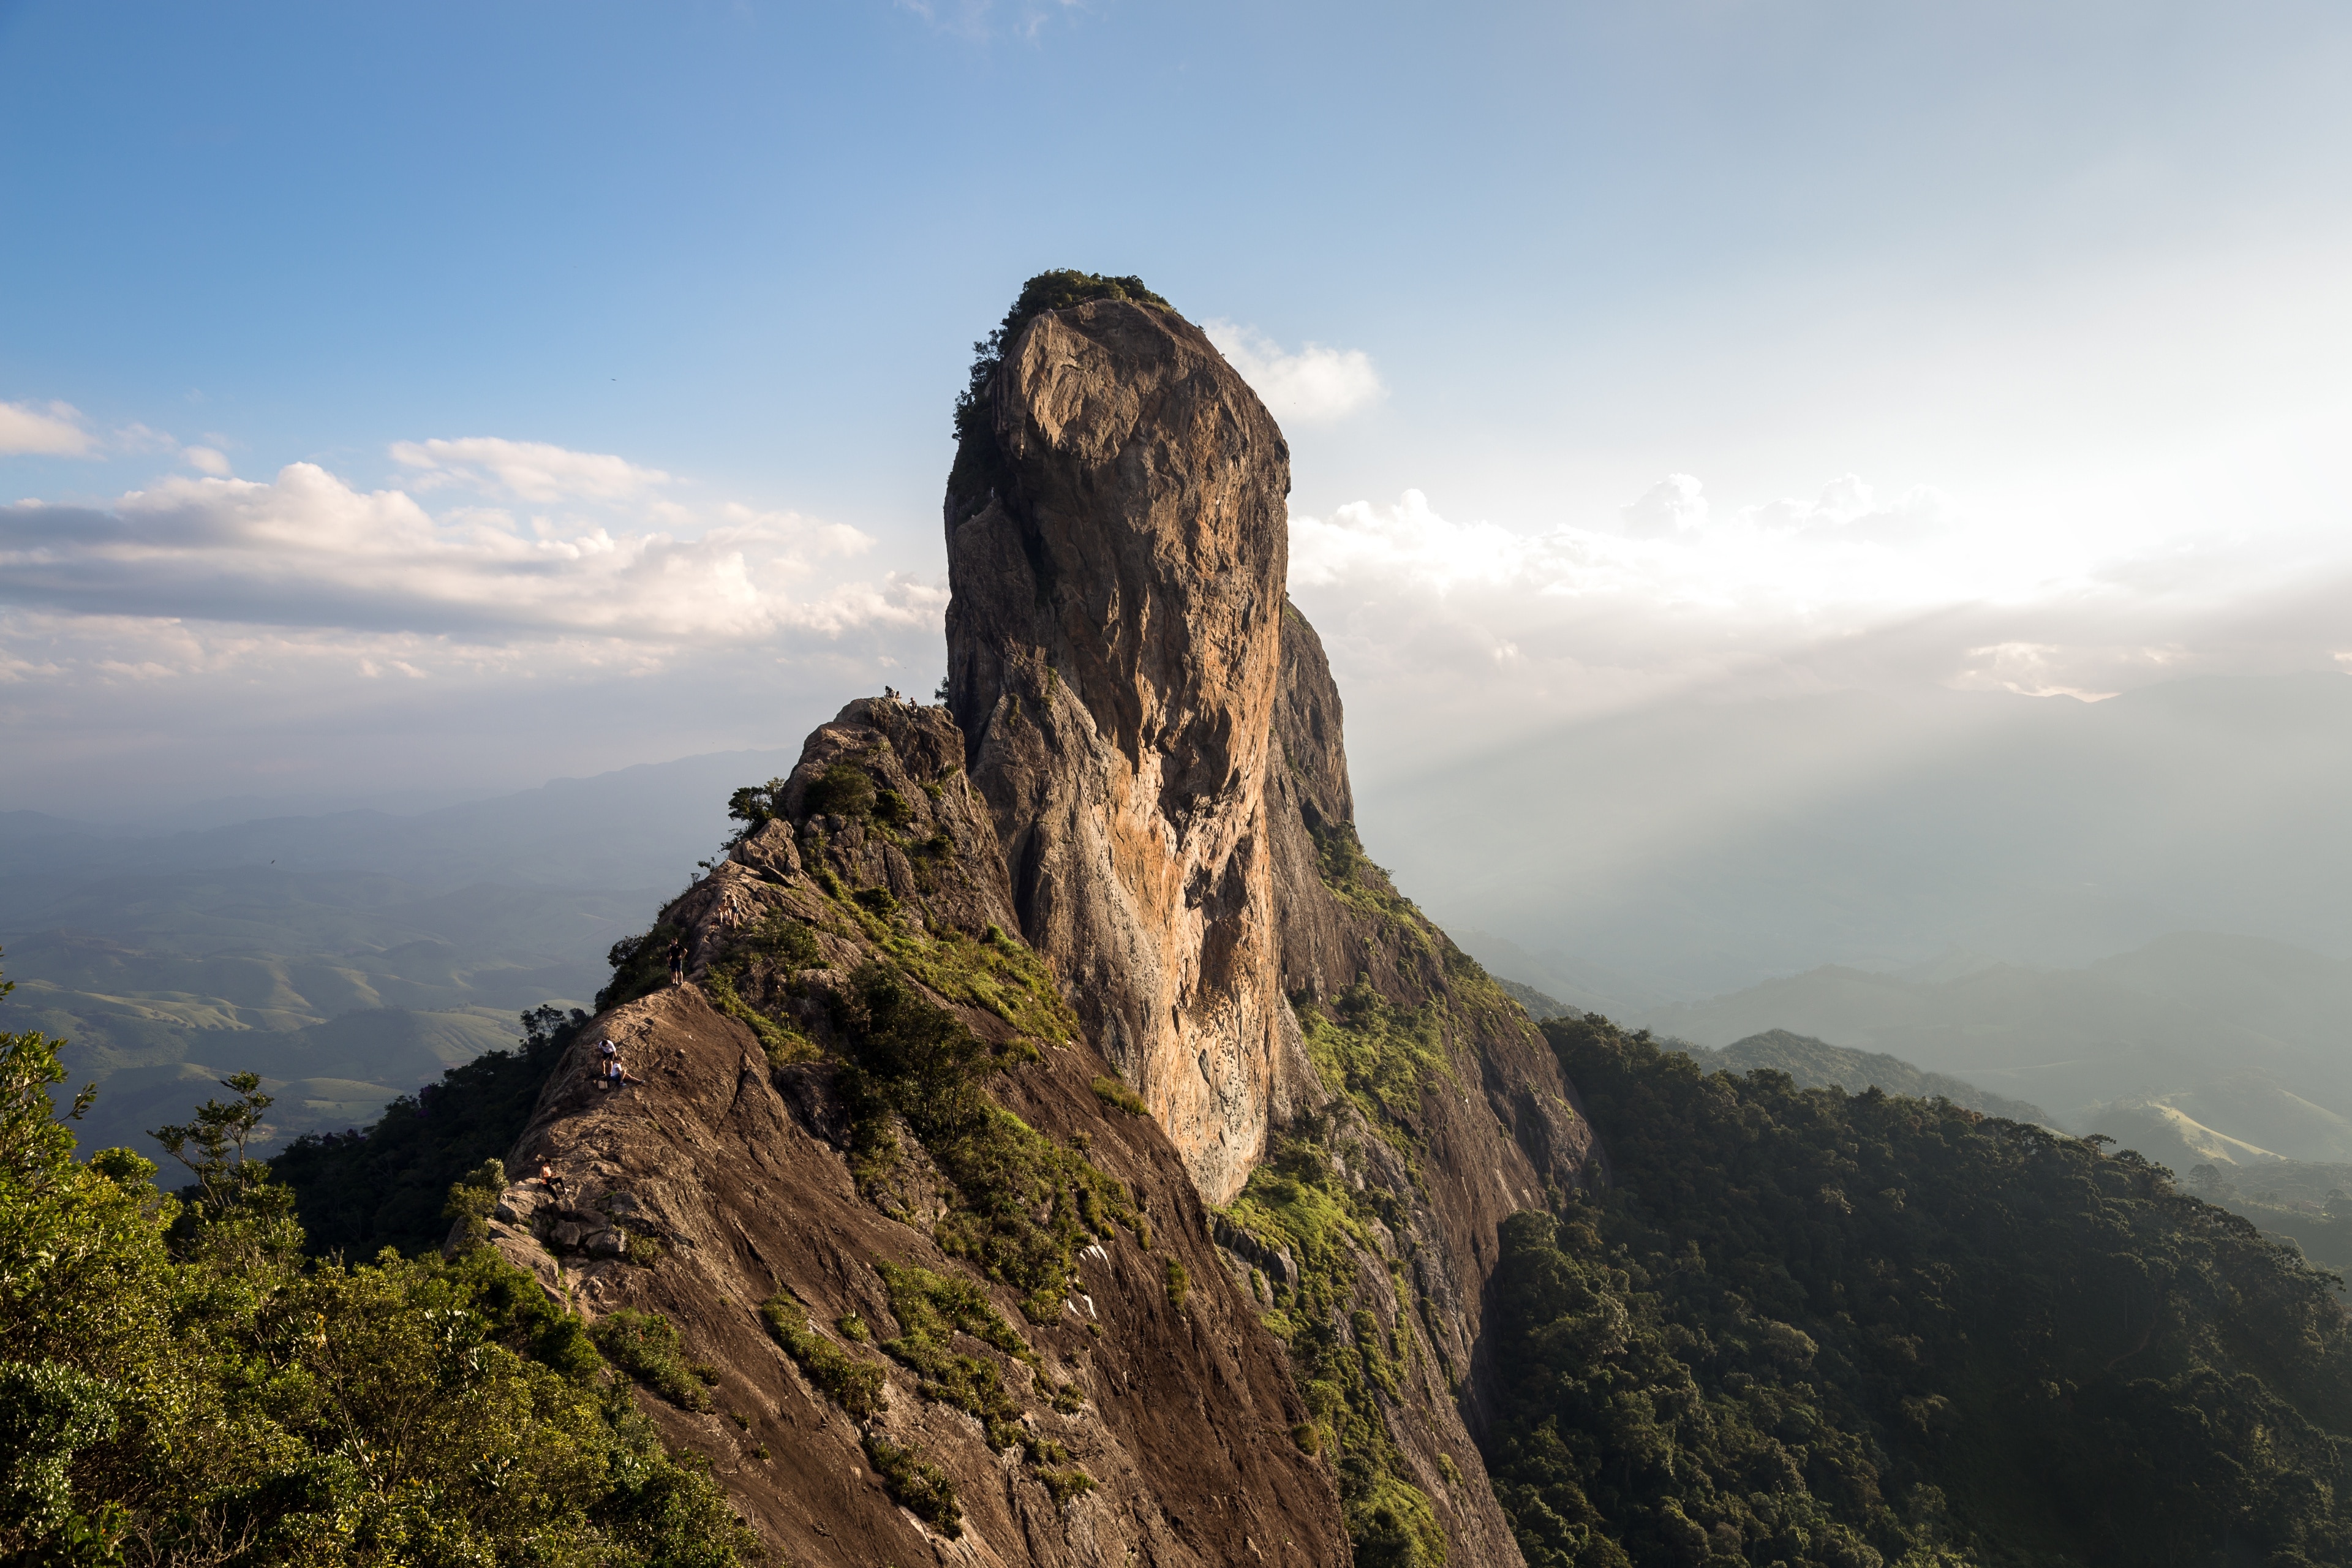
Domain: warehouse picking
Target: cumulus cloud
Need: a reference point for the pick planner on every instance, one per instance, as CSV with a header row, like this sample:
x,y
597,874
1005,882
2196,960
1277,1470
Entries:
x,y
251,635
308,550
527,470
44,430
207,461
1314,386
1675,504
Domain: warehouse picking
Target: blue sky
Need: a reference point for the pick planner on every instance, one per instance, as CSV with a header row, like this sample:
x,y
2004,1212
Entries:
x,y
1626,350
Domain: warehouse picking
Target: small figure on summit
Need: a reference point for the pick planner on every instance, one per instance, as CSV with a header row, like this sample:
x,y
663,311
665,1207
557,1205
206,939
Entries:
x,y
678,961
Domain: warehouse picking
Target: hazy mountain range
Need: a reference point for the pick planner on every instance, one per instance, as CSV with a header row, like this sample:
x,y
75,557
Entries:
x,y
349,956
1695,848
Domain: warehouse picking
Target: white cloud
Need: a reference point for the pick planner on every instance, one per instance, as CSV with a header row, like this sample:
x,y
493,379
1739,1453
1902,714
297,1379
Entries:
x,y
527,470
1848,505
50,430
137,438
207,461
1672,506
1448,633
308,550
1314,386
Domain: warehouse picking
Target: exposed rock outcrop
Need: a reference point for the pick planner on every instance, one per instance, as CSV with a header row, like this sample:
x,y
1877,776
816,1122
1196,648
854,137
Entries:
x,y
1114,653
1492,1128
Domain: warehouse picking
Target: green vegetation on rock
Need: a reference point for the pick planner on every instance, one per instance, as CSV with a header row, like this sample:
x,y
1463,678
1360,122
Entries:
x,y
766,958
1119,1097
975,457
856,1385
925,1489
1378,1055
1339,1353
1023,1204
931,1308
1811,1328
646,1346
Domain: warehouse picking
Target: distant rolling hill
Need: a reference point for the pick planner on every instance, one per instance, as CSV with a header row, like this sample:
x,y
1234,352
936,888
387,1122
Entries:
x,y
1700,846
348,957
2183,1011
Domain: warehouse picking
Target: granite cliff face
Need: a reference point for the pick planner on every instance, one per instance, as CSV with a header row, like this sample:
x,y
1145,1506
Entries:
x,y
746,1172
1068,1146
1114,654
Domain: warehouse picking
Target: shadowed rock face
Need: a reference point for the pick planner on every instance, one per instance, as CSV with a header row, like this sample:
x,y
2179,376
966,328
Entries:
x,y
1114,657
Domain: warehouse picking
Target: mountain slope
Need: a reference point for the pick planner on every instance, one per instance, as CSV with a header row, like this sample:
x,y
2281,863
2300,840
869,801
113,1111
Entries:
x,y
1811,1328
836,1101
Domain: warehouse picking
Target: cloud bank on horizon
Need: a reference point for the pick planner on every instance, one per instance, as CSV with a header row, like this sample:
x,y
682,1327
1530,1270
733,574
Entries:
x,y
242,631
1506,631
518,587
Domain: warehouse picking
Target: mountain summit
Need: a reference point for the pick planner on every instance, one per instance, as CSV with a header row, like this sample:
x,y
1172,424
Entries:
x,y
1064,1142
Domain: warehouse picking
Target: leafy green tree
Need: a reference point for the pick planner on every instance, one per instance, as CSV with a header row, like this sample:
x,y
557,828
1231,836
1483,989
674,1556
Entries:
x,y
178,1385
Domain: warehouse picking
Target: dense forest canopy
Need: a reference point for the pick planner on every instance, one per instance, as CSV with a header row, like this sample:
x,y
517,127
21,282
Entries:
x,y
1811,1328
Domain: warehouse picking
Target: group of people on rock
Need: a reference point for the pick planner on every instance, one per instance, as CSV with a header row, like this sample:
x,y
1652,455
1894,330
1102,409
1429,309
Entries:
x,y
610,1072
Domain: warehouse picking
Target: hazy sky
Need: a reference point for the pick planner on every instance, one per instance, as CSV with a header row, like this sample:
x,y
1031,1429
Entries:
x,y
449,396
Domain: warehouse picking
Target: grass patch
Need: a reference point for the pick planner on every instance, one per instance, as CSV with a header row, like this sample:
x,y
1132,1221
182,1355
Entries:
x,y
922,1487
931,1310
856,1385
1119,1097
1176,1283
994,974
764,959
646,1346
1378,1055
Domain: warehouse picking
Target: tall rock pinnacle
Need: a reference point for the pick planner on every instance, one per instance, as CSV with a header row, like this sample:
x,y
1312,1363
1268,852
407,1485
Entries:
x,y
1117,544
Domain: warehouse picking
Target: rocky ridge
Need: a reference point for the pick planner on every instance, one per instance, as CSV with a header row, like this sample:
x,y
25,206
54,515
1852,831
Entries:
x,y
1079,1000
736,1176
